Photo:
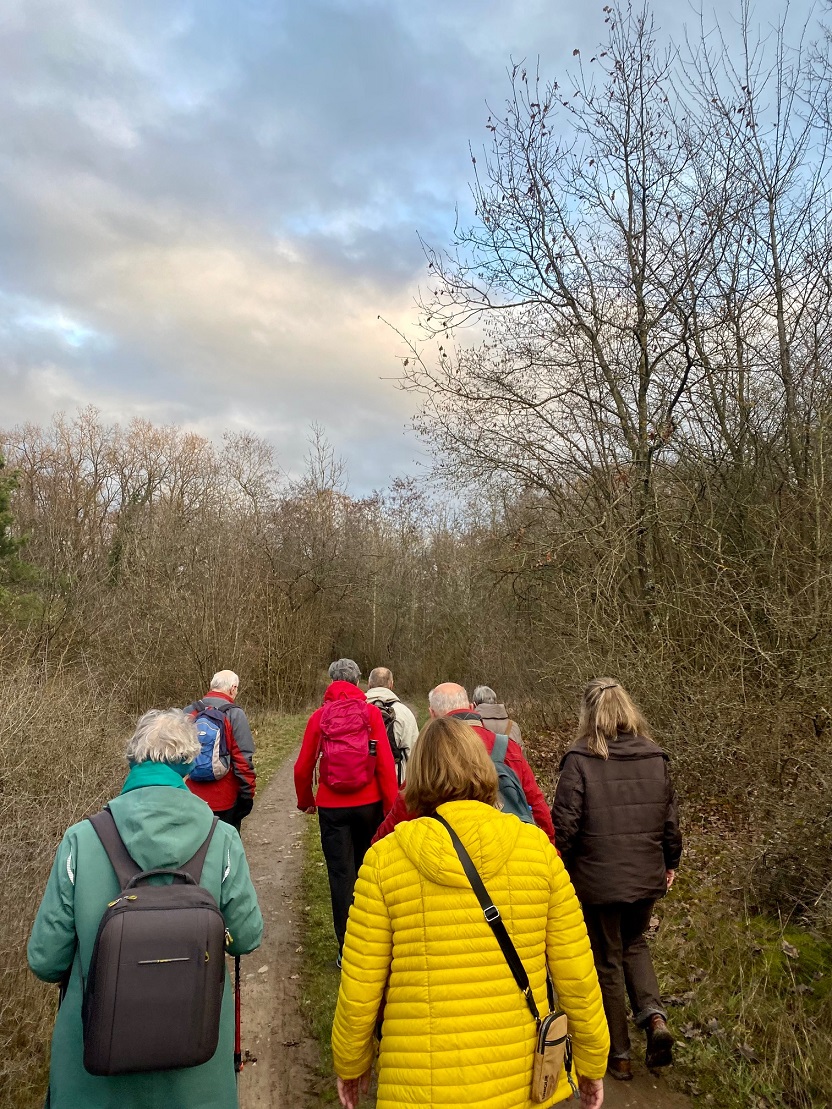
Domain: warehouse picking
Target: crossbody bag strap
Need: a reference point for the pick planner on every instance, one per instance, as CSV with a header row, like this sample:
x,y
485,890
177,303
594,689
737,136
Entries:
x,y
495,921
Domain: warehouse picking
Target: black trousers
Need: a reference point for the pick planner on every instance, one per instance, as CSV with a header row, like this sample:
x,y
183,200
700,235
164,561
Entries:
x,y
345,837
624,966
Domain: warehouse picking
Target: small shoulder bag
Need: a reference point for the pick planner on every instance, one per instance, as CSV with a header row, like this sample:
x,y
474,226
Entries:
x,y
553,1048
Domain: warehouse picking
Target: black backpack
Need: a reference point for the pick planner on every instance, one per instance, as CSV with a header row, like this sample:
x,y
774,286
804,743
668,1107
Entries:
x,y
388,715
155,982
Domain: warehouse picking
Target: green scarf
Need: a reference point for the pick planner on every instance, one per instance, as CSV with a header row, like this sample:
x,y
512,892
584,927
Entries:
x,y
156,774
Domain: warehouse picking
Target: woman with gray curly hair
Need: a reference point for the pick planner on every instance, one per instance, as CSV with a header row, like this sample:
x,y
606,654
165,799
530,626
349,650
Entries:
x,y
162,825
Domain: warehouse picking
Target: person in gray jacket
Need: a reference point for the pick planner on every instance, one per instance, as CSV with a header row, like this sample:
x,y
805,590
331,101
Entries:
x,y
494,715
406,730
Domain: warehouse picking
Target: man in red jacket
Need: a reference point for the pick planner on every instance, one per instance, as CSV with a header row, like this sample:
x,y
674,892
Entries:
x,y
356,781
231,797
450,699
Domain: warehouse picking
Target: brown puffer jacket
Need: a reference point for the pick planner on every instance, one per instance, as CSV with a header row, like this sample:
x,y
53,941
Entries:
x,y
617,821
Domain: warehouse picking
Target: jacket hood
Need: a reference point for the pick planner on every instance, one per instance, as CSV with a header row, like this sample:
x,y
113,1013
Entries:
x,y
626,746
342,691
381,693
492,712
489,837
161,826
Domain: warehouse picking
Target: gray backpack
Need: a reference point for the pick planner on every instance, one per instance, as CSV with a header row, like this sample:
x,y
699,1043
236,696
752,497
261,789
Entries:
x,y
155,982
511,791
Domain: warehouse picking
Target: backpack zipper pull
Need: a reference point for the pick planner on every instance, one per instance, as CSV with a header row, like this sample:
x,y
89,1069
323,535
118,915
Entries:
x,y
229,939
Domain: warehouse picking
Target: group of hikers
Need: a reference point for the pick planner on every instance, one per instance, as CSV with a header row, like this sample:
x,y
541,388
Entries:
x,y
487,943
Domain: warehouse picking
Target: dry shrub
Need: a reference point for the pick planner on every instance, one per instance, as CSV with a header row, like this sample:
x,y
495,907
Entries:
x,y
60,759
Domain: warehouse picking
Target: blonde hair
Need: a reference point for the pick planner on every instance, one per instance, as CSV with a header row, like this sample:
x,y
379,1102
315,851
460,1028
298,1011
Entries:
x,y
449,763
606,711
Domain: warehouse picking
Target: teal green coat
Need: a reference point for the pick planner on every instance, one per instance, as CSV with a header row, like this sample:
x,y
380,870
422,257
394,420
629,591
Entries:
x,y
161,827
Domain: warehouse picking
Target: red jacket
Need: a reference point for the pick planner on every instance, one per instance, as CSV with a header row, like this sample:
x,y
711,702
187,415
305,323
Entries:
x,y
514,759
384,786
241,779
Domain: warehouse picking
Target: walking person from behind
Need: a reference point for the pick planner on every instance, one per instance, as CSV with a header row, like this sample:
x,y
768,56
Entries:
x,y
224,775
346,740
402,729
451,700
457,1027
156,999
618,833
494,715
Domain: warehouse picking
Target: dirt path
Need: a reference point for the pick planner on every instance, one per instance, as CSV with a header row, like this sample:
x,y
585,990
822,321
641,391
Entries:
x,y
274,1031
644,1092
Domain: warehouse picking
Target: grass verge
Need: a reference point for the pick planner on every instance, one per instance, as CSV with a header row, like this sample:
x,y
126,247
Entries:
x,y
275,737
751,996
320,975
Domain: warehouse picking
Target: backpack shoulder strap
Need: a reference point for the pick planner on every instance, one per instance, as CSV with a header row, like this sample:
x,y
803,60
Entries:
x,y
500,748
194,866
113,844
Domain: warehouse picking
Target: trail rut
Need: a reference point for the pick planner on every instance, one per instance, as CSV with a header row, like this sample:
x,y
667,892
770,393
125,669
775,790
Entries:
x,y
274,1031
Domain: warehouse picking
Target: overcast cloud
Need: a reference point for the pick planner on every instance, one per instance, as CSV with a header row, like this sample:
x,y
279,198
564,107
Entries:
x,y
206,205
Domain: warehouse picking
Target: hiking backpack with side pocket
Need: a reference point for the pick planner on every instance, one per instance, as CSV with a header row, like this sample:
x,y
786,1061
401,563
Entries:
x,y
212,727
155,981
346,762
512,794
388,715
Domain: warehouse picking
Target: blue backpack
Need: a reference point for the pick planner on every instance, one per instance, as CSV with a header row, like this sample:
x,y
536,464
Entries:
x,y
511,792
214,759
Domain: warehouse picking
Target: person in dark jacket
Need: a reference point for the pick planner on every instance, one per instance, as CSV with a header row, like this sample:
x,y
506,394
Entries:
x,y
231,798
347,741
618,832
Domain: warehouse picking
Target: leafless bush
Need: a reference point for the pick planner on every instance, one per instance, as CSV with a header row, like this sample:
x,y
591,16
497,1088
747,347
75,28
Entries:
x,y
61,757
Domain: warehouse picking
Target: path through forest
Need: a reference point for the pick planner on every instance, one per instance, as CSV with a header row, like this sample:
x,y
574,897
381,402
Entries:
x,y
274,1030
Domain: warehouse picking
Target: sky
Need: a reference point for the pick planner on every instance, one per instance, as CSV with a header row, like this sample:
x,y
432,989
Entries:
x,y
205,205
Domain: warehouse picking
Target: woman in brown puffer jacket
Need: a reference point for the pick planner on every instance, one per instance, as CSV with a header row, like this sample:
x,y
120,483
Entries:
x,y
618,834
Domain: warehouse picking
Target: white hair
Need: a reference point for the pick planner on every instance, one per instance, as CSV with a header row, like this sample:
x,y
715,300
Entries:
x,y
224,681
484,695
345,670
448,697
164,735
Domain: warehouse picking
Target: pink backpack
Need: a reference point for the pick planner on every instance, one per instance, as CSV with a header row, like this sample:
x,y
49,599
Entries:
x,y
347,764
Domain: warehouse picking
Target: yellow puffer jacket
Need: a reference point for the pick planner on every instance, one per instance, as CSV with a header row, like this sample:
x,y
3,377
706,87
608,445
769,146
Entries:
x,y
457,1030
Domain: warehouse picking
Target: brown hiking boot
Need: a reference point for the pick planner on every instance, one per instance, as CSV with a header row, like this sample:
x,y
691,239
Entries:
x,y
659,1043
620,1069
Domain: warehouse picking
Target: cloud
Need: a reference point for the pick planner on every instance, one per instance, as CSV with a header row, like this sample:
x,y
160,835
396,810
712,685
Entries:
x,y
206,206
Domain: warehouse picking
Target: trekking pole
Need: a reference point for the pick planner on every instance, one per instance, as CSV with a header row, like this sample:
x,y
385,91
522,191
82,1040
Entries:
x,y
238,1055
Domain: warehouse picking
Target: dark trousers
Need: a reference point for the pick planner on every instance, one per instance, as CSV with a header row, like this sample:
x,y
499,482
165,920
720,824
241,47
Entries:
x,y
625,969
345,837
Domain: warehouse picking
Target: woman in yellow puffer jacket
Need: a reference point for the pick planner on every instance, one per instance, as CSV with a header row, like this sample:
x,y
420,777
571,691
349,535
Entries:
x,y
456,1028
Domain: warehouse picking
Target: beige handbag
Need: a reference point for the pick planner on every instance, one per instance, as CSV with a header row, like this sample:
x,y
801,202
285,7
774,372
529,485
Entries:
x,y
553,1049
552,1054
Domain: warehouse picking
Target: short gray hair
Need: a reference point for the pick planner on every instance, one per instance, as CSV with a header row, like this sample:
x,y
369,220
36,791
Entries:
x,y
164,735
380,676
447,697
484,695
345,670
224,681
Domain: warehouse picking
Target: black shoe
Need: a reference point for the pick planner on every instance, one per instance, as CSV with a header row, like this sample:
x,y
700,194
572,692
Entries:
x,y
659,1043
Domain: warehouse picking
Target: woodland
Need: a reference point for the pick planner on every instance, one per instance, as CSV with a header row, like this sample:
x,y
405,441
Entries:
x,y
623,368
